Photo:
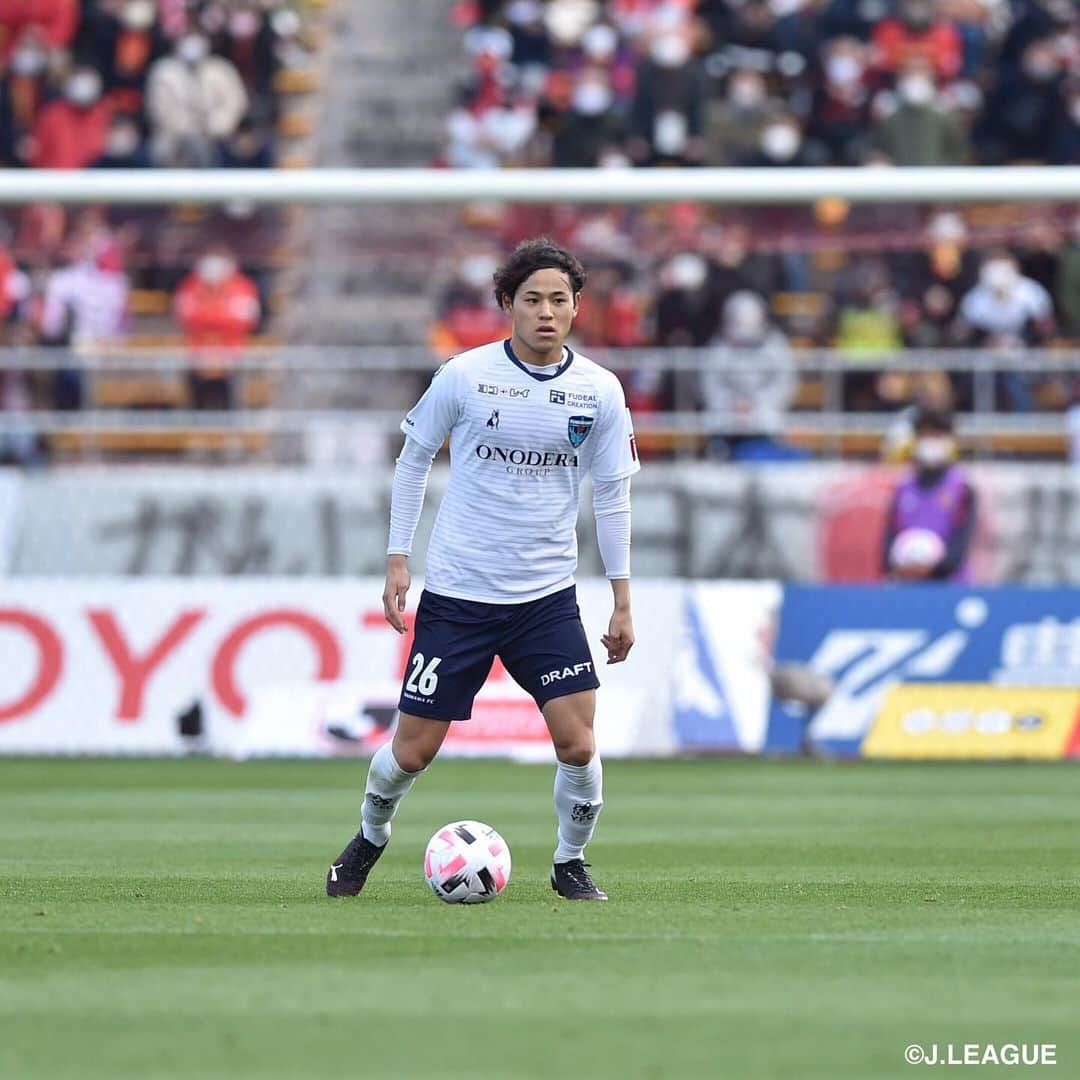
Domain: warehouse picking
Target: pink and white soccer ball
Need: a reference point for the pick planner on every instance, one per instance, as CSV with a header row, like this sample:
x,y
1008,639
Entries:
x,y
917,547
467,862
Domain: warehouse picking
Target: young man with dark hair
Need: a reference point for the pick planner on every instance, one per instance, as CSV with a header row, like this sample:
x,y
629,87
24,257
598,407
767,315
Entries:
x,y
526,418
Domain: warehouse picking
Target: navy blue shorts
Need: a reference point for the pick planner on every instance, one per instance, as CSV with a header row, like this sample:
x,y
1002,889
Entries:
x,y
541,643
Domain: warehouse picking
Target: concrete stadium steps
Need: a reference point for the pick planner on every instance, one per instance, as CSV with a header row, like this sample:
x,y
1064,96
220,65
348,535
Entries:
x,y
347,317
389,69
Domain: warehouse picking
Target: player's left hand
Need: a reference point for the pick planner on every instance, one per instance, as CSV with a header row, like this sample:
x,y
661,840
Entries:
x,y
619,639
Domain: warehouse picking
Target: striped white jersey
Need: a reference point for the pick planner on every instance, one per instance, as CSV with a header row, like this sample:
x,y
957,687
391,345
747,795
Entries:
x,y
520,443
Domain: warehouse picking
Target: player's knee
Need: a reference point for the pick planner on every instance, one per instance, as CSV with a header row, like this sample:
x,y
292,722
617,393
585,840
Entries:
x,y
414,756
577,749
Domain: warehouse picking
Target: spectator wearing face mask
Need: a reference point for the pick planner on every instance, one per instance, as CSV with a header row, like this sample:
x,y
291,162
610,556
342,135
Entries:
x,y
919,131
934,510
125,147
1020,117
70,132
782,145
22,89
532,45
53,22
590,125
86,302
842,102
686,307
487,136
217,308
250,43
666,119
121,43
933,281
751,380
1006,310
918,35
867,326
194,101
733,124
602,47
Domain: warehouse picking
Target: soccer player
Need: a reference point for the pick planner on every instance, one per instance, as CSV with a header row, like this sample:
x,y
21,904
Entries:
x,y
527,418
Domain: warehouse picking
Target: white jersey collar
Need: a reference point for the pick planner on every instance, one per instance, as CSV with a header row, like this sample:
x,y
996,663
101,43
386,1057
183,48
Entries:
x,y
545,377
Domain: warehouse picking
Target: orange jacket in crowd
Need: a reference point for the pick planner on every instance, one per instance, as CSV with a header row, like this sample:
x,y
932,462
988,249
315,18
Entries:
x,y
467,326
940,46
55,21
222,315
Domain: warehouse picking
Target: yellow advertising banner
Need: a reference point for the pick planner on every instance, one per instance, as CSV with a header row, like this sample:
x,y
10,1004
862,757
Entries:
x,y
974,720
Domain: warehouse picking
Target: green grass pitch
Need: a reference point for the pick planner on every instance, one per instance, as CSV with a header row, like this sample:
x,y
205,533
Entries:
x,y
768,919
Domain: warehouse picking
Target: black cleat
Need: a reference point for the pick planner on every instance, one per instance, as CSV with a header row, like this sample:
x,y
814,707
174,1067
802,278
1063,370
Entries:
x,y
572,882
350,869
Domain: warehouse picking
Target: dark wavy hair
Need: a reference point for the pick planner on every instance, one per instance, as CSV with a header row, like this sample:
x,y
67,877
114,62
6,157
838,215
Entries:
x,y
530,256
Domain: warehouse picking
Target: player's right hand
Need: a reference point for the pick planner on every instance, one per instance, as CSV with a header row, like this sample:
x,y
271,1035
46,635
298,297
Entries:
x,y
398,581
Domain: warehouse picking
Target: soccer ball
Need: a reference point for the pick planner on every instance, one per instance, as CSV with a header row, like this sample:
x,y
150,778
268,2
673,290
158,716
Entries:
x,y
917,547
467,862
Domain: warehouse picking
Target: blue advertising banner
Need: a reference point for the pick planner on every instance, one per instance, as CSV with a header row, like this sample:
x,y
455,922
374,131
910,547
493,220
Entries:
x,y
720,675
867,639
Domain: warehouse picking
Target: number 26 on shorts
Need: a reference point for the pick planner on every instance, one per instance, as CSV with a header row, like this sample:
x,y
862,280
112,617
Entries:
x,y
423,680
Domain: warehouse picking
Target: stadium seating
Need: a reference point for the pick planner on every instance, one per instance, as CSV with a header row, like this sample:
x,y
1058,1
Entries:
x,y
110,70
655,82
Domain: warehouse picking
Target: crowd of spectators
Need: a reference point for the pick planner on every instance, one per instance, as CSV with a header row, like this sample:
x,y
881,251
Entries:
x,y
102,84
861,280
768,83
139,83
783,83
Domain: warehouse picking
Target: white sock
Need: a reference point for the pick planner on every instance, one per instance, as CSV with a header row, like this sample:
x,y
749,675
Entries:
x,y
387,784
579,798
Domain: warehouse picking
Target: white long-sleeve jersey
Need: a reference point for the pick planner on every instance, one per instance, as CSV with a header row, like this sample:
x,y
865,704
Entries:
x,y
521,440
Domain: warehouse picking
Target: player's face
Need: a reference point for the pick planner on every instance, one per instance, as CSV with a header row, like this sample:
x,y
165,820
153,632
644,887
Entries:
x,y
543,309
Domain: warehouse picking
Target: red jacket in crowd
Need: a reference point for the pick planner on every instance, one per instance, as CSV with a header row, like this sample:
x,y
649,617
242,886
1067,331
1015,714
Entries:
x,y
467,326
221,315
940,46
68,136
55,20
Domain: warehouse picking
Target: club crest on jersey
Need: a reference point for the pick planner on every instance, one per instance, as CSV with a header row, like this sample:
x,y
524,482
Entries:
x,y
578,428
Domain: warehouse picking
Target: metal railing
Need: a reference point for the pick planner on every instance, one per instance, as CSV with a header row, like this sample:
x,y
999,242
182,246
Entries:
x,y
299,377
